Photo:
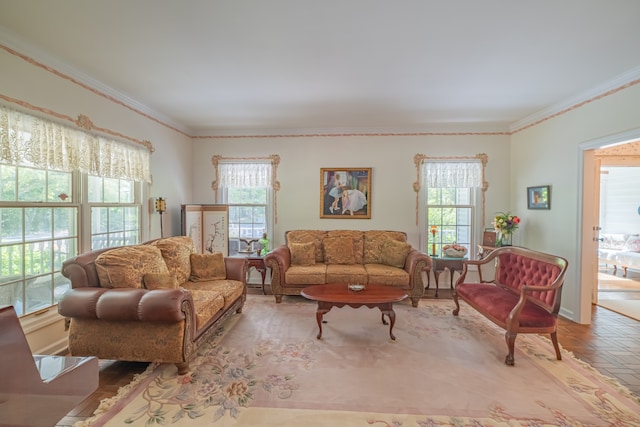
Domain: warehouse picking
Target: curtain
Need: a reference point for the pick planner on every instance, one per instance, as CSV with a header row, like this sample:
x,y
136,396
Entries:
x,y
26,140
452,174
245,175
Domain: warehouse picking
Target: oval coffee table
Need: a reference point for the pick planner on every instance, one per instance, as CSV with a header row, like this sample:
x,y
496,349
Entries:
x,y
339,295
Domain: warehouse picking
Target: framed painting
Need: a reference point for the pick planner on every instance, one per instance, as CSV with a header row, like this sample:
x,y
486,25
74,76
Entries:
x,y
345,193
539,197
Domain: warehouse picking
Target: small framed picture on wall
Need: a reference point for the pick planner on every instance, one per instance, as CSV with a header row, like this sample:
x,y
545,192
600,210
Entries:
x,y
345,193
539,197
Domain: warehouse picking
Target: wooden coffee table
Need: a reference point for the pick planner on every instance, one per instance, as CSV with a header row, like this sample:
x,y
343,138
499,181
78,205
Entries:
x,y
339,295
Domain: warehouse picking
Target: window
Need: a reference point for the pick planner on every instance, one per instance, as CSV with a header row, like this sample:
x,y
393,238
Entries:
x,y
248,187
46,195
38,231
115,212
453,201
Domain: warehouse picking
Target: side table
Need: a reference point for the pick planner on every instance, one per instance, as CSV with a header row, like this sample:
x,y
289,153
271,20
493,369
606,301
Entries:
x,y
257,262
439,264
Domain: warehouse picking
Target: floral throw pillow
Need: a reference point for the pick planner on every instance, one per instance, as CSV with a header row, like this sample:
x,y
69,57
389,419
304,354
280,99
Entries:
x,y
207,267
160,281
632,244
124,267
338,250
394,253
303,253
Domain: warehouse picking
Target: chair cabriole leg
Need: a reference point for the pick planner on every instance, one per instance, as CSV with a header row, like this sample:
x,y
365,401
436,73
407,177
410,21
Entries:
x,y
511,341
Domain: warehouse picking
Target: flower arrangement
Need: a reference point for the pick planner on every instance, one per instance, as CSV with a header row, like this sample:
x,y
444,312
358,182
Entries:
x,y
505,224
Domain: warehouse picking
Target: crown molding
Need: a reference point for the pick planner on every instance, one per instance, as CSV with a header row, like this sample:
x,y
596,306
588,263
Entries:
x,y
618,82
14,42
450,129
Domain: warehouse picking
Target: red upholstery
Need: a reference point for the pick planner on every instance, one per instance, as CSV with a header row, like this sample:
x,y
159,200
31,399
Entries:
x,y
522,296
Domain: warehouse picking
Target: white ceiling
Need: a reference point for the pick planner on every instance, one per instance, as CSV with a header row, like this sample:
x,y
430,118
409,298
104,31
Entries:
x,y
229,67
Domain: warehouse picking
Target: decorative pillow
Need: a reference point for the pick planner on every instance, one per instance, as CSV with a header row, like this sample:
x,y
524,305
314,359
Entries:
x,y
124,267
303,253
338,250
160,281
632,244
208,267
373,240
394,253
176,252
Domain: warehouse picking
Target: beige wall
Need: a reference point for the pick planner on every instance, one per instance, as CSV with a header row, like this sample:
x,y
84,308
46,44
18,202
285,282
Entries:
x,y
393,200
550,153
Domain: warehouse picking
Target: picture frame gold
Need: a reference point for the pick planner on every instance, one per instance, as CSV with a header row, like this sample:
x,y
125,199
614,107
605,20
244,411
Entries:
x,y
345,193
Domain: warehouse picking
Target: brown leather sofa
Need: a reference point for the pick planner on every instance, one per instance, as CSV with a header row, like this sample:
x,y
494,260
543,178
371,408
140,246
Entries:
x,y
315,257
153,302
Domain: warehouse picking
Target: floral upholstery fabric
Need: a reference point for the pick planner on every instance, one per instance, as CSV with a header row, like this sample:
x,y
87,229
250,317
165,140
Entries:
x,y
306,274
125,267
373,241
338,250
160,281
394,252
303,253
306,236
357,239
207,304
176,252
381,274
130,340
343,273
230,290
208,267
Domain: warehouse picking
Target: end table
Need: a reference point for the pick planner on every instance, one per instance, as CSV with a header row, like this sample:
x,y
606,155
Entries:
x,y
439,264
257,262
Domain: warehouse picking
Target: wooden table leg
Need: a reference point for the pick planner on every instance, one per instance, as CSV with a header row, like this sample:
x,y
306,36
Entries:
x,y
387,309
323,308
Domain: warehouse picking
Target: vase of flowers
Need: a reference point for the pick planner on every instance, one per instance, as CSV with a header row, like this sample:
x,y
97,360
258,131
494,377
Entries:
x,y
505,225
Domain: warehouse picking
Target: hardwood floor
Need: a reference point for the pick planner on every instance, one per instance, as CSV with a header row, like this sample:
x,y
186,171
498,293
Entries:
x,y
611,344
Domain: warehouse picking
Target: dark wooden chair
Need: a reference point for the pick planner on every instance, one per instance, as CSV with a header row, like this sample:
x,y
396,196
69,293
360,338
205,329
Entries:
x,y
38,390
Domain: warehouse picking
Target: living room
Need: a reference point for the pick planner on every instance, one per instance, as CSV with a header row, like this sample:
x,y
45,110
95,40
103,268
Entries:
x,y
545,148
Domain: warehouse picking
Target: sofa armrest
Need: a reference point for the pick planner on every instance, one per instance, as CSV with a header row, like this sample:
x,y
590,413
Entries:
x,y
144,305
236,268
278,259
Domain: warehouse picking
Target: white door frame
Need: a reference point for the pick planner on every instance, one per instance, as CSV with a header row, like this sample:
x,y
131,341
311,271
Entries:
x,y
588,171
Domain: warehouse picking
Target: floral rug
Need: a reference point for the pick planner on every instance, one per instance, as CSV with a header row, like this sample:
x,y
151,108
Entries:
x,y
265,367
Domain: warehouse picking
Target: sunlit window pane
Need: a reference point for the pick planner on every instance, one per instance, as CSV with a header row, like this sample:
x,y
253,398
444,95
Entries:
x,y
38,223
8,189
59,187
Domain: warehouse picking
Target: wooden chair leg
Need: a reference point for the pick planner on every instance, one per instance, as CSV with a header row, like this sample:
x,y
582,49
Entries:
x,y
511,341
554,340
455,300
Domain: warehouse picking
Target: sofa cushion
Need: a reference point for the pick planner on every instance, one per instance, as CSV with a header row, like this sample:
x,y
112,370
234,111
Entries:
x,y
207,267
338,250
394,253
230,290
357,238
206,304
373,241
381,274
303,253
306,274
346,273
125,267
176,252
160,281
306,236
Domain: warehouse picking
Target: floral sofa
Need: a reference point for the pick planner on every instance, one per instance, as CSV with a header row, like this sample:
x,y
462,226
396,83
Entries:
x,y
313,257
153,302
620,250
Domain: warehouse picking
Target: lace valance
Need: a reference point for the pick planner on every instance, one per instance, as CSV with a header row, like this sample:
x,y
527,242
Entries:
x,y
27,140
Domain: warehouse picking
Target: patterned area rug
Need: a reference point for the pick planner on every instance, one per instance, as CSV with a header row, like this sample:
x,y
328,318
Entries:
x,y
265,367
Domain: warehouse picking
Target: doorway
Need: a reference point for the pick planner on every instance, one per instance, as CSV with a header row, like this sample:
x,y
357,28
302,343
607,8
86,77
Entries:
x,y
619,237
